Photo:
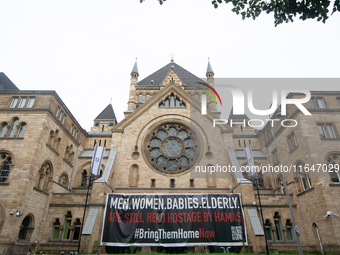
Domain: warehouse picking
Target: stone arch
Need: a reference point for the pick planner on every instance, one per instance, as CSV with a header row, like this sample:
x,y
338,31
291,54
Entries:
x,y
21,129
333,162
3,129
26,228
6,164
79,180
13,127
45,175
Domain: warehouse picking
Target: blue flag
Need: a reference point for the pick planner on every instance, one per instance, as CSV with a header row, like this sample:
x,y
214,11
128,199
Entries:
x,y
97,159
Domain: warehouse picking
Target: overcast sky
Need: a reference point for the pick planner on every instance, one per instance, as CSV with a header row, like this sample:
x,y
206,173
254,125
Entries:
x,y
85,50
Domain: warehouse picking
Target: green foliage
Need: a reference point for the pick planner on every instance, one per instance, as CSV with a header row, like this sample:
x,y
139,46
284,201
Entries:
x,y
284,11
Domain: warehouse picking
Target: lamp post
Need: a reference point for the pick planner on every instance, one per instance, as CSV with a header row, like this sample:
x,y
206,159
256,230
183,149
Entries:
x,y
286,189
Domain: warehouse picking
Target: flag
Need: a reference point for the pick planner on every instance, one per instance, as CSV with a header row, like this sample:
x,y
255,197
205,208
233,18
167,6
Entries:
x,y
250,160
97,160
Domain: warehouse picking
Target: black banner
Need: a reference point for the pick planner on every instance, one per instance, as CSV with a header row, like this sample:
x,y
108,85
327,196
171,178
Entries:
x,y
173,220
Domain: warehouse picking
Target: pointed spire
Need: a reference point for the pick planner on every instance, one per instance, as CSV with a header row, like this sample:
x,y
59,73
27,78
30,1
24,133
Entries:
x,y
209,69
135,68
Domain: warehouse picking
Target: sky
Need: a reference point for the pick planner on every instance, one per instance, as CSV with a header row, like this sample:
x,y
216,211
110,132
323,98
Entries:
x,y
85,50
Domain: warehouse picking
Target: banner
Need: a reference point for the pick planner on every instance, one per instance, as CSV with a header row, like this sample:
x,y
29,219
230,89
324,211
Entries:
x,y
173,220
250,160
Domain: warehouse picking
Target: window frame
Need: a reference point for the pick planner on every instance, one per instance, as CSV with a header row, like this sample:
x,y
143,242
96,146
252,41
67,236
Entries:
x,y
55,226
268,230
22,102
292,141
278,229
67,228
12,129
21,130
14,102
317,103
30,102
327,130
6,163
140,98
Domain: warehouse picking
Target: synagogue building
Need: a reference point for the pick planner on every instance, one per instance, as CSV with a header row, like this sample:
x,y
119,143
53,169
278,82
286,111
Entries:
x,y
171,177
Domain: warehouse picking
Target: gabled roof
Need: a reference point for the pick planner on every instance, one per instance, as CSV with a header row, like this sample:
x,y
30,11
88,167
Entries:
x,y
107,114
6,84
237,117
157,77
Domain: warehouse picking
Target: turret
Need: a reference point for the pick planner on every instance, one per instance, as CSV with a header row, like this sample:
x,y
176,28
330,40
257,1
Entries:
x,y
211,82
133,82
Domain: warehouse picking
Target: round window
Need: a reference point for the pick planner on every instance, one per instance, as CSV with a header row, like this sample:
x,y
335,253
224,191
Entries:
x,y
171,148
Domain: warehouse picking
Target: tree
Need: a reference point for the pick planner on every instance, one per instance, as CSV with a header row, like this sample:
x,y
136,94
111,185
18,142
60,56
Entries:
x,y
283,10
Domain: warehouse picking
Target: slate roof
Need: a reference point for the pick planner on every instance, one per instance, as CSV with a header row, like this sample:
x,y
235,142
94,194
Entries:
x,y
135,68
107,114
157,77
6,84
209,68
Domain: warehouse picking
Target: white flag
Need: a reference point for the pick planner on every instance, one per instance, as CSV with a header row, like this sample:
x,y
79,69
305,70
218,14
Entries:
x,y
250,160
97,159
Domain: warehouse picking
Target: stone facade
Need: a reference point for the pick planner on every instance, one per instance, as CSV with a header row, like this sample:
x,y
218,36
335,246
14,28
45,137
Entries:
x,y
46,159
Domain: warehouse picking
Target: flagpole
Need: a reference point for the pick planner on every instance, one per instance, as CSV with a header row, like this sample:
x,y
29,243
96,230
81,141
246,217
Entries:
x,y
250,160
264,230
97,158
82,224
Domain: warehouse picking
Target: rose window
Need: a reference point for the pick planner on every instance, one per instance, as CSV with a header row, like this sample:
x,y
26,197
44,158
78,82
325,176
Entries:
x,y
171,148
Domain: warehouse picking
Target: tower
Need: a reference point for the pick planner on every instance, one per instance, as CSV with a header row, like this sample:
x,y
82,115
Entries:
x,y
211,82
133,82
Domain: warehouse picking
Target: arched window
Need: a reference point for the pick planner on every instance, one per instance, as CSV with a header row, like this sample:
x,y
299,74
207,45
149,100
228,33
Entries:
x,y
76,229
333,161
289,231
147,97
3,129
56,230
21,129
257,179
5,166
303,177
278,227
196,96
140,98
45,176
268,230
13,127
83,179
318,237
26,228
67,226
